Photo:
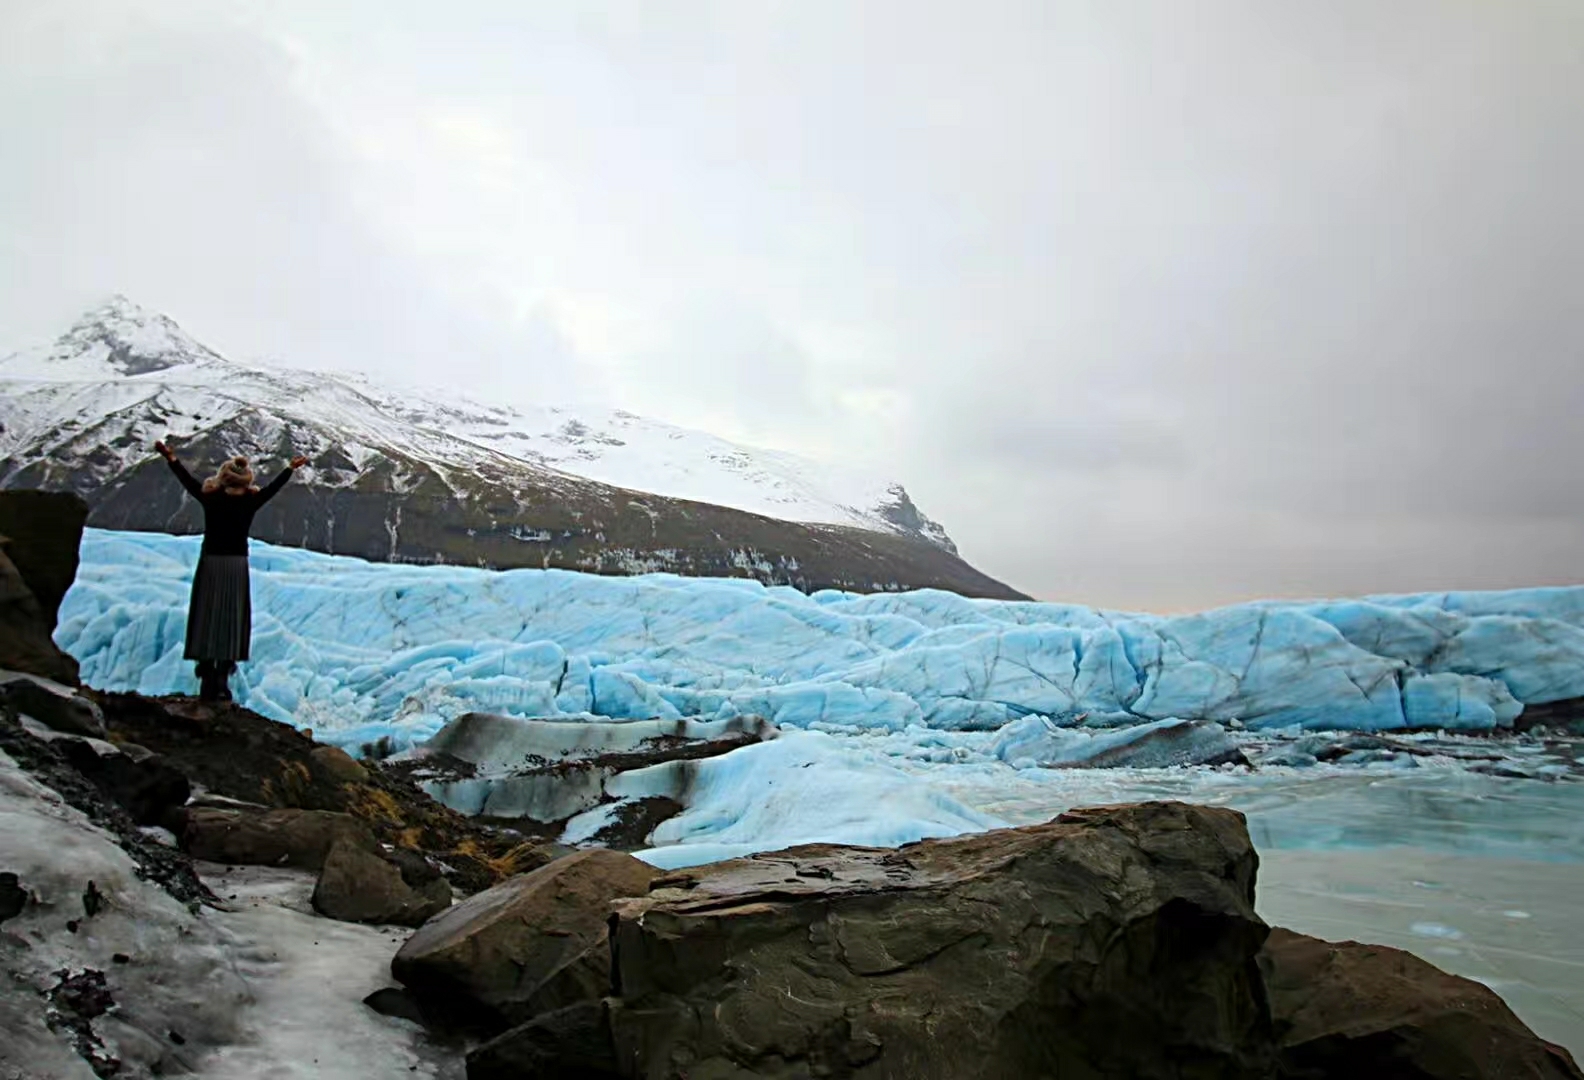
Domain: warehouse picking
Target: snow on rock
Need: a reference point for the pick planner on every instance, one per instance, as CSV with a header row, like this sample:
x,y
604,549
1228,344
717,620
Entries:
x,y
176,973
309,976
119,967
357,651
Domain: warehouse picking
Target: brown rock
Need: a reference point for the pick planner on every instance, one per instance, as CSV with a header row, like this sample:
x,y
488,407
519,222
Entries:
x,y
237,754
529,945
1365,1010
1117,942
338,765
356,885
269,838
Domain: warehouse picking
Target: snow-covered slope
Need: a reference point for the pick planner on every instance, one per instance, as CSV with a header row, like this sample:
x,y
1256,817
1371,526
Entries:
x,y
122,376
402,475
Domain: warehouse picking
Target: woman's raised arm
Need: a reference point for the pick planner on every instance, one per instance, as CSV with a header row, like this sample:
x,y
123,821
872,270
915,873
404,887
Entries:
x,y
188,481
280,481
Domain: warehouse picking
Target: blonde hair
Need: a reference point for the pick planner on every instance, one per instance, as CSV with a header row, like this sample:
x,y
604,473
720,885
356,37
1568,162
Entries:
x,y
233,476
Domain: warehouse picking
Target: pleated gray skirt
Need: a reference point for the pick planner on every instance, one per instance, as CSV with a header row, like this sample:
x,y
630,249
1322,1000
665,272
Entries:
x,y
220,613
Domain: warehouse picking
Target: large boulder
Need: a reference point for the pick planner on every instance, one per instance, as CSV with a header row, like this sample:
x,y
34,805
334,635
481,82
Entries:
x,y
530,945
357,885
1345,1009
39,534
338,765
301,838
1115,942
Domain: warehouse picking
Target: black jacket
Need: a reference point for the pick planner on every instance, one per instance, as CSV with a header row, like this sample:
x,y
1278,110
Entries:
x,y
227,518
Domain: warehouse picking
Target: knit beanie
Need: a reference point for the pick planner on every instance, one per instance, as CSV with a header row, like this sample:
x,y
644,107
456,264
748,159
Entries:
x,y
234,475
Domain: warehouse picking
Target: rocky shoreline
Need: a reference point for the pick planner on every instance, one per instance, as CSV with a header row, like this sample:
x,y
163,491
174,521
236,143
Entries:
x,y
1116,941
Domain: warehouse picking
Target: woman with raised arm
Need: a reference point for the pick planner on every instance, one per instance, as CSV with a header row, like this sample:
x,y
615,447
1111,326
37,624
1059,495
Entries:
x,y
220,613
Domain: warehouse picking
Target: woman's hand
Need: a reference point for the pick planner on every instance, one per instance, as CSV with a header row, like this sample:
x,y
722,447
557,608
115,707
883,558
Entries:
x,y
164,451
298,462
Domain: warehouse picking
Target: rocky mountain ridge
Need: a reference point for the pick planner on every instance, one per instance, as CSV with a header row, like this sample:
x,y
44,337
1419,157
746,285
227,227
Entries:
x,y
424,476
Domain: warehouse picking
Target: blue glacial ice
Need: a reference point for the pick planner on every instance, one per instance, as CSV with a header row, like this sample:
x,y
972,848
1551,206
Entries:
x,y
358,650
806,787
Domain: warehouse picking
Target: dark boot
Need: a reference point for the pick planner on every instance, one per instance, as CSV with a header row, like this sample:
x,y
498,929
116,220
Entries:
x,y
208,685
223,680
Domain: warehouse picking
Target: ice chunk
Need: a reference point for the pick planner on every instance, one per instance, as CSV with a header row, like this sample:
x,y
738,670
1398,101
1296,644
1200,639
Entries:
x,y
1037,741
803,788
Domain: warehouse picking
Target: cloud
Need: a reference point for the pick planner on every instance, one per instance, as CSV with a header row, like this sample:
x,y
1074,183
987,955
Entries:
x,y
1153,305
166,154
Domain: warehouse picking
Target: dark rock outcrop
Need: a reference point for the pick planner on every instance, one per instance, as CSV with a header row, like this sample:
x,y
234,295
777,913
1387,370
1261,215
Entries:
x,y
1564,716
357,885
338,765
573,1043
43,530
47,762
240,755
1110,942
530,945
13,897
301,838
1351,1010
150,790
396,1002
53,705
26,627
76,1001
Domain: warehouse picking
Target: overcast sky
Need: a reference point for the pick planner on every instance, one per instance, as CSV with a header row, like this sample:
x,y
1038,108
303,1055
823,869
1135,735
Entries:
x,y
1152,303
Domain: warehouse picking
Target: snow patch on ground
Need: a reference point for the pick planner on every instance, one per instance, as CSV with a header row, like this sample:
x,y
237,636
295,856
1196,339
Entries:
x,y
308,977
263,990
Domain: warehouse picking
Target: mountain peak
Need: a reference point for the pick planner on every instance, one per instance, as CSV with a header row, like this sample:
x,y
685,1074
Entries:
x,y
130,340
123,375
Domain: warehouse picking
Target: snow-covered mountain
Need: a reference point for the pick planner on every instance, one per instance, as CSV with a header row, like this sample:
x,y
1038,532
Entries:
x,y
428,475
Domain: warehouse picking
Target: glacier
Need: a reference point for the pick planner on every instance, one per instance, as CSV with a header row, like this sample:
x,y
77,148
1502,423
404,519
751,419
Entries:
x,y
359,651
877,691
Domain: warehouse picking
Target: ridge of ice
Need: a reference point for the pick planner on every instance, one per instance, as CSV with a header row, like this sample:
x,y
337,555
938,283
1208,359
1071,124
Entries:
x,y
359,650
